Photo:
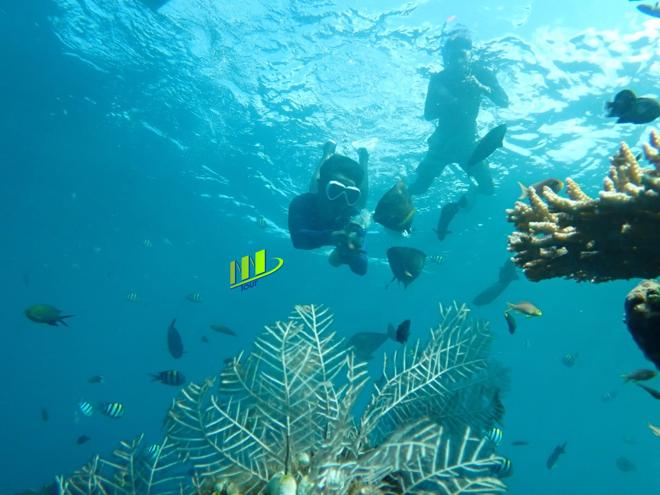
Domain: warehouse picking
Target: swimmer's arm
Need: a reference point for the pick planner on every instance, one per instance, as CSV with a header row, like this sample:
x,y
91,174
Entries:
x,y
437,96
492,89
302,236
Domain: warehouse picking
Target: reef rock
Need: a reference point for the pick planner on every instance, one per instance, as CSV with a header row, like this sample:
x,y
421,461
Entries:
x,y
643,318
613,236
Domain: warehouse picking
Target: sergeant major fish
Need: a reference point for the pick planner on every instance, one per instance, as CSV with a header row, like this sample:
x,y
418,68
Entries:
x,y
495,435
169,377
86,408
112,409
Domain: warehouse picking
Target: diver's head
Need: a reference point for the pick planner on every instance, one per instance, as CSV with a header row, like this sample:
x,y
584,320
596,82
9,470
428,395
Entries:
x,y
457,52
339,181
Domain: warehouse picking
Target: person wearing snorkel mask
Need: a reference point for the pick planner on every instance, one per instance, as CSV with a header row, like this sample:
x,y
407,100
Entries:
x,y
324,216
453,98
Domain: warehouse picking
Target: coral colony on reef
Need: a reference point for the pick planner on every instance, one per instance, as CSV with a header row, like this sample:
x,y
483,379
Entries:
x,y
643,318
614,236
280,420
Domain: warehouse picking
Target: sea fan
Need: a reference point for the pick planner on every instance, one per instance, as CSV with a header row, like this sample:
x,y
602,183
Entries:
x,y
287,401
424,381
279,420
134,470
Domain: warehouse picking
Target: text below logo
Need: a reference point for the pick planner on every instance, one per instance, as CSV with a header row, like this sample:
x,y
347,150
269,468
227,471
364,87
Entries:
x,y
240,274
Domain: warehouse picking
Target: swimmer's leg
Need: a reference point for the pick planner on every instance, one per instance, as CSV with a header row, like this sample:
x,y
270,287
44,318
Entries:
x,y
363,159
429,168
481,173
328,150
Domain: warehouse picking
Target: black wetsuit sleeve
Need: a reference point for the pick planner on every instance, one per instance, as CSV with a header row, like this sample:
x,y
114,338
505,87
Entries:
x,y
497,94
435,95
303,227
357,261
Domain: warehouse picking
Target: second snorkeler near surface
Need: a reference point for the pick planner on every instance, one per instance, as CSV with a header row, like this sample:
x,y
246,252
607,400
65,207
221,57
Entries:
x,y
325,216
454,98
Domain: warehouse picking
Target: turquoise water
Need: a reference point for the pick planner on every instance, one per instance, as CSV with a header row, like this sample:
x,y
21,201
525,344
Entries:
x,y
141,148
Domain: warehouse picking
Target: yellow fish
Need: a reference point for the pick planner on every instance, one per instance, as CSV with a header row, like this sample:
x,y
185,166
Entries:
x,y
526,308
132,296
45,313
655,430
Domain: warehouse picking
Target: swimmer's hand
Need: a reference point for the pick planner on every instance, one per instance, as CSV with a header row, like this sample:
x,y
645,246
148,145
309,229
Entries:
x,y
349,238
471,80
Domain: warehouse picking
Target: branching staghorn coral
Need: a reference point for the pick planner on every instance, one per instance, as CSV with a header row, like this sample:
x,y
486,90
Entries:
x,y
614,236
280,419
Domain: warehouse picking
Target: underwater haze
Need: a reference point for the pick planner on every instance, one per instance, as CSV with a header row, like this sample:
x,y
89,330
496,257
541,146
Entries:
x,y
145,149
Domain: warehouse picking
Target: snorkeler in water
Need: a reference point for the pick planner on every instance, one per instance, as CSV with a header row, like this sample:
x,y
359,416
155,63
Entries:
x,y
453,99
324,216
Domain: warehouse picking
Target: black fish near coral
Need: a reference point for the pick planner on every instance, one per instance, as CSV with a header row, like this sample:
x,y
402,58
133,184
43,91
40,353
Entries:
x,y
488,144
96,379
174,342
222,329
395,210
510,322
83,439
554,455
47,314
519,443
447,214
630,109
651,391
366,343
406,263
625,465
401,333
169,377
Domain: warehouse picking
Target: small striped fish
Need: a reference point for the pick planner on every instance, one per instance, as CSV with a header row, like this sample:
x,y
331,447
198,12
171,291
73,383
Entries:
x,y
85,408
153,450
169,377
503,467
112,409
495,435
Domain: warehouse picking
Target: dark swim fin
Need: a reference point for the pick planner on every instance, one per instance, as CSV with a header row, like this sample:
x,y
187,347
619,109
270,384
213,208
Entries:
x,y
487,145
653,11
155,4
623,103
